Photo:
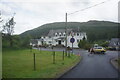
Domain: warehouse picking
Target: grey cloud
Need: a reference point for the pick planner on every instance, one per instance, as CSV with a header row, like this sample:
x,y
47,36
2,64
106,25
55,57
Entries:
x,y
76,3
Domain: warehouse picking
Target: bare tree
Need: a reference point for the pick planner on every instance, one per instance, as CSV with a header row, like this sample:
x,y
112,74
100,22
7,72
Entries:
x,y
8,29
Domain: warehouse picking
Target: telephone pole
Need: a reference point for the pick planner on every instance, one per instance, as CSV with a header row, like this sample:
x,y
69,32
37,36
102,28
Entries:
x,y
66,34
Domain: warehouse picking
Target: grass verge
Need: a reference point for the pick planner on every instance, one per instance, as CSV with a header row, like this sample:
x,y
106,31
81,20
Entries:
x,y
19,64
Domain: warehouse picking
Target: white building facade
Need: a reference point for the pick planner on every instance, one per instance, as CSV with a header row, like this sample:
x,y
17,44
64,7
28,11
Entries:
x,y
58,37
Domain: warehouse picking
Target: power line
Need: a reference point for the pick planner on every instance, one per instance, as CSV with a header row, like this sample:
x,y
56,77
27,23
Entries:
x,y
89,7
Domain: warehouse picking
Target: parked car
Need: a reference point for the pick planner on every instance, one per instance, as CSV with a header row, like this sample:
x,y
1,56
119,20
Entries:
x,y
99,50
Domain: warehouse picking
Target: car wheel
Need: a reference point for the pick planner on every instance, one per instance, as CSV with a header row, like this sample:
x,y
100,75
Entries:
x,y
103,52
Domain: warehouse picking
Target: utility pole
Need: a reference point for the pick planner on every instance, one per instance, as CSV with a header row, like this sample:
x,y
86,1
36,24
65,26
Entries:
x,y
66,34
52,40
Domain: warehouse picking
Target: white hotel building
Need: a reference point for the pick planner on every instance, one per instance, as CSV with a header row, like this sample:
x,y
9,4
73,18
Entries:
x,y
57,37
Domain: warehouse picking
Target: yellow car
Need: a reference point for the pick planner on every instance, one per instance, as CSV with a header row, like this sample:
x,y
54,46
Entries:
x,y
99,50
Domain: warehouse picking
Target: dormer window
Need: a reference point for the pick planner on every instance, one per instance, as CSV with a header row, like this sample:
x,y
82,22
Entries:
x,y
56,34
64,34
60,34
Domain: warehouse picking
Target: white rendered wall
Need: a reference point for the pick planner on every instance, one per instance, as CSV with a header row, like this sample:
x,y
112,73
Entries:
x,y
53,41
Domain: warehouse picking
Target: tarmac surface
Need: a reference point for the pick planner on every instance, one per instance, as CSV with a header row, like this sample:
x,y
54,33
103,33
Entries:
x,y
91,65
94,66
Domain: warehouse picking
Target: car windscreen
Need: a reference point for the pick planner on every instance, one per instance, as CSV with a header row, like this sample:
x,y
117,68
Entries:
x,y
99,48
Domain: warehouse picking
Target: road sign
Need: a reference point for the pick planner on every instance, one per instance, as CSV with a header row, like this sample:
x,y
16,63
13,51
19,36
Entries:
x,y
72,40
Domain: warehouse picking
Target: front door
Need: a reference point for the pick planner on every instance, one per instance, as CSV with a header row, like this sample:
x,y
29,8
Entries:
x,y
59,42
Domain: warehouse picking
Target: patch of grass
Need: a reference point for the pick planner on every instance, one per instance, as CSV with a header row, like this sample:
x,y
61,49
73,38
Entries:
x,y
19,64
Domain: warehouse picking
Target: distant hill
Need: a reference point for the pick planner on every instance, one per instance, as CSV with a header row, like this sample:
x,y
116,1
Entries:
x,y
96,30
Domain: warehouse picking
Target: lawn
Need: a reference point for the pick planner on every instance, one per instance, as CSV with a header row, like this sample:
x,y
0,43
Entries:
x,y
19,64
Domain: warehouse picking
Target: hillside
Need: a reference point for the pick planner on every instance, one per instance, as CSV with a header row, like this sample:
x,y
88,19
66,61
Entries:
x,y
96,30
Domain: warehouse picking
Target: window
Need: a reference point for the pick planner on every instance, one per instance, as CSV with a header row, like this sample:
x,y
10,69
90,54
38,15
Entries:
x,y
49,41
56,34
64,34
99,48
77,34
60,34
77,40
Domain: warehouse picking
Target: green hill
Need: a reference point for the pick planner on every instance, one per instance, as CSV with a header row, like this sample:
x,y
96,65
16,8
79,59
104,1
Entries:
x,y
96,30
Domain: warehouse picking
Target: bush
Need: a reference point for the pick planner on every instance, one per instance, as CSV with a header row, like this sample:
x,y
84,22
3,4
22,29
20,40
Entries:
x,y
17,41
104,44
84,44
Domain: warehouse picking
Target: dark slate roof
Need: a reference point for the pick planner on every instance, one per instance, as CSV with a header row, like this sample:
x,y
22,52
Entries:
x,y
62,38
114,42
52,32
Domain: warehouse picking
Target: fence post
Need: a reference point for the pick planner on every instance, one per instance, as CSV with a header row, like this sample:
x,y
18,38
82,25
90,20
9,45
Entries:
x,y
30,48
34,61
53,57
66,53
69,53
63,55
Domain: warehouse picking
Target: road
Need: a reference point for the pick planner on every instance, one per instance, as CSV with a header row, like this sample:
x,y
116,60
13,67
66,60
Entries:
x,y
92,66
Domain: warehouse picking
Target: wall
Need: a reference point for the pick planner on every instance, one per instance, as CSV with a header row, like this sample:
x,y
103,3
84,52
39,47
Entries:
x,y
75,36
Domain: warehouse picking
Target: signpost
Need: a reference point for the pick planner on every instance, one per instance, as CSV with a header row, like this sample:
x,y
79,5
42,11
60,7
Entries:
x,y
72,40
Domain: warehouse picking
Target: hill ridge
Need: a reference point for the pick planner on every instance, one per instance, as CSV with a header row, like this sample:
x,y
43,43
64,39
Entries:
x,y
106,28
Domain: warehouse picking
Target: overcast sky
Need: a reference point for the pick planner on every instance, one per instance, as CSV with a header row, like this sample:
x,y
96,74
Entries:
x,y
33,13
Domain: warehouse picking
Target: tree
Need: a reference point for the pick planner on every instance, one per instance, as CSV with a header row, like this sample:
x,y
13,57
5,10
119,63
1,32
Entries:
x,y
8,29
25,41
81,43
84,44
105,44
